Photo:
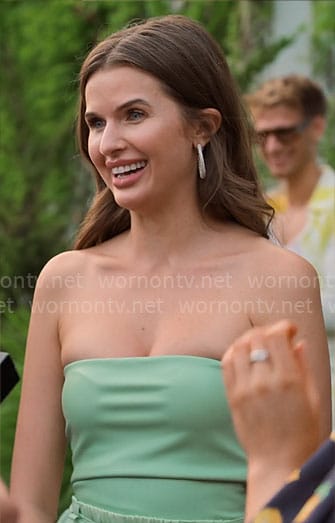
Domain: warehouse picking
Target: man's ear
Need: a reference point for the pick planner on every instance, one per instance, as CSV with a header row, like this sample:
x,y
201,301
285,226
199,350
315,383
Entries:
x,y
208,124
318,127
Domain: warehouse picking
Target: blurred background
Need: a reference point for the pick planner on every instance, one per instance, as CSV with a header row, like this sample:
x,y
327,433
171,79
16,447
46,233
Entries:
x,y
44,190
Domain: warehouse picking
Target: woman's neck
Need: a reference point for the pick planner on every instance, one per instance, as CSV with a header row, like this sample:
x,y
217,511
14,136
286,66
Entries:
x,y
166,237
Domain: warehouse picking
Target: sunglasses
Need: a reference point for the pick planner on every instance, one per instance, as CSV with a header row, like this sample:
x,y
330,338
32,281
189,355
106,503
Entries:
x,y
283,134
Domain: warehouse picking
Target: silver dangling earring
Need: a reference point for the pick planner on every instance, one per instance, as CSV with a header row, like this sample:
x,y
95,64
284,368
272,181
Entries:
x,y
201,162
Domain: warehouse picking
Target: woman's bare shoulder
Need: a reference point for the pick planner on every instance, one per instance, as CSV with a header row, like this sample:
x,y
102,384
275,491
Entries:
x,y
66,262
277,259
282,273
266,255
66,270
69,267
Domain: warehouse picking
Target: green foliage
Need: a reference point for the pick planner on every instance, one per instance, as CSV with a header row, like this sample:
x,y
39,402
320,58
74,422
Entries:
x,y
323,41
323,56
243,30
36,108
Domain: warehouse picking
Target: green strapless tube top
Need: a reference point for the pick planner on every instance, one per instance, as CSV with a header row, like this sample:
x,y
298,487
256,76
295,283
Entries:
x,y
153,436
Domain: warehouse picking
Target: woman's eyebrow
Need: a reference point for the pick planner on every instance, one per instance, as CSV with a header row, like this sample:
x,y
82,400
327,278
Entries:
x,y
134,101
121,107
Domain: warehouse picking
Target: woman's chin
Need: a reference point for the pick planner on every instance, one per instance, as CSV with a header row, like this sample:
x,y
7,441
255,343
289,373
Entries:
x,y
134,204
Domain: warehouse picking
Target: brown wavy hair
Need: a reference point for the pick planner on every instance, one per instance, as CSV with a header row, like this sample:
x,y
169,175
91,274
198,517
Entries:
x,y
191,67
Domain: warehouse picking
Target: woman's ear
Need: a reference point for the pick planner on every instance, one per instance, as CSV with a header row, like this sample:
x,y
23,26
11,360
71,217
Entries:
x,y
208,124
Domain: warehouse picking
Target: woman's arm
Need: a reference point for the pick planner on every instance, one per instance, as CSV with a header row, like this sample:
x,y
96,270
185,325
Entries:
x,y
39,448
275,408
296,296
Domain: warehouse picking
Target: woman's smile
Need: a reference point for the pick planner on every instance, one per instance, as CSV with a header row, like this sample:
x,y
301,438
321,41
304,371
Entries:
x,y
127,175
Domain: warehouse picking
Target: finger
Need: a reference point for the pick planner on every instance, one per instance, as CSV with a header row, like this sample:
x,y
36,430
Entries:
x,y
236,373
269,337
306,375
228,370
261,372
279,340
287,326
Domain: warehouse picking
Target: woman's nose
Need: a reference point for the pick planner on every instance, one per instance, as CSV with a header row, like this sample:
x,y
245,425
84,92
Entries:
x,y
111,140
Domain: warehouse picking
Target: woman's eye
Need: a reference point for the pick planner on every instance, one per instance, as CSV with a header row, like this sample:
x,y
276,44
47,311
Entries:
x,y
95,123
135,115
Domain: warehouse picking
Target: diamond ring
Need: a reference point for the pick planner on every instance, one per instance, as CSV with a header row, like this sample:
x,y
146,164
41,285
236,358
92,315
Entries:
x,y
259,355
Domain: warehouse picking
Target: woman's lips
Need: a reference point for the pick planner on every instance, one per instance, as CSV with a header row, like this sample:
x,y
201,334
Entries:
x,y
127,178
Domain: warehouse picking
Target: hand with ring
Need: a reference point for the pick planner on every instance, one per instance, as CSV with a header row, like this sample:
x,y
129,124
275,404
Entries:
x,y
274,405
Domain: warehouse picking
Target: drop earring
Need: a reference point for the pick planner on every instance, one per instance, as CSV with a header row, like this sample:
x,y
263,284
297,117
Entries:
x,y
201,162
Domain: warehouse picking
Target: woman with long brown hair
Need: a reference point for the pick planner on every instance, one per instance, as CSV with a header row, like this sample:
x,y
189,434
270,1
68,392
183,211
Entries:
x,y
171,265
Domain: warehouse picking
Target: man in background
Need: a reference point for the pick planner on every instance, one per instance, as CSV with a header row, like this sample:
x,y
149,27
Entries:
x,y
289,115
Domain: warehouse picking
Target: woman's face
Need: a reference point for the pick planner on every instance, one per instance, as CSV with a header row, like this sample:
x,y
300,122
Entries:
x,y
138,140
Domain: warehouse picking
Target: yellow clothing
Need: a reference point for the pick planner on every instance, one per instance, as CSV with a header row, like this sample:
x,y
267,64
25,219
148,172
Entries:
x,y
316,243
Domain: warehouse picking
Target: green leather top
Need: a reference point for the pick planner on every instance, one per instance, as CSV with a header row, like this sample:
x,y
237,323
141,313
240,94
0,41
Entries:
x,y
153,436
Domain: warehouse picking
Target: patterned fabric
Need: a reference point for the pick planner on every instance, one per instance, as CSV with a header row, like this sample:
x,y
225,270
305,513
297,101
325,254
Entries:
x,y
309,494
316,243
